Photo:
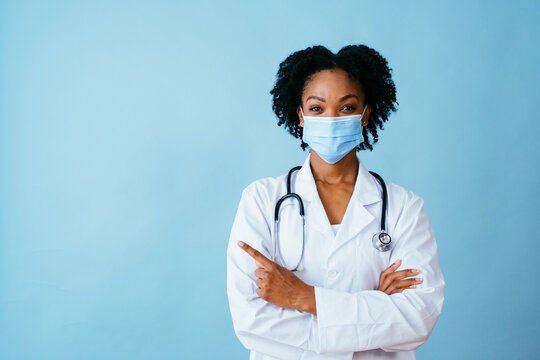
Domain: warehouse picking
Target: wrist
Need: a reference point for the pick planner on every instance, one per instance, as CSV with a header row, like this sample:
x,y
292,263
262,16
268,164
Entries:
x,y
305,300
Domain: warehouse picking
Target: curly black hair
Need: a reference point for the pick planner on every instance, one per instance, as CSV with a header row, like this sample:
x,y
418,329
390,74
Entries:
x,y
360,61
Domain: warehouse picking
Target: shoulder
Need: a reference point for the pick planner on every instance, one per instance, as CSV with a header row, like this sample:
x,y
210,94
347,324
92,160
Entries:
x,y
402,194
403,202
405,207
265,190
262,185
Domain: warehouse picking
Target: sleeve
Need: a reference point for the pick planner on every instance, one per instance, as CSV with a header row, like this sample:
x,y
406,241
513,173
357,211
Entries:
x,y
371,319
259,325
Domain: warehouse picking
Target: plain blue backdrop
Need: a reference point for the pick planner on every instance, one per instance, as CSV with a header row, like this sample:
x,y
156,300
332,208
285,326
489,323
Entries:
x,y
128,130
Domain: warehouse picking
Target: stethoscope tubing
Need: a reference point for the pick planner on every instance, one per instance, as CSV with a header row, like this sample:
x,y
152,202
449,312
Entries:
x,y
290,194
384,200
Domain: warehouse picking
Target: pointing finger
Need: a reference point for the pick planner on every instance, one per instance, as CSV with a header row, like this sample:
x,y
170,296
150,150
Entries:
x,y
260,259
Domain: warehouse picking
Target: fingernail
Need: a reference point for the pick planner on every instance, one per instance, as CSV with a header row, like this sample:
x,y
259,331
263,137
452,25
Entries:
x,y
398,260
413,286
419,280
415,271
240,243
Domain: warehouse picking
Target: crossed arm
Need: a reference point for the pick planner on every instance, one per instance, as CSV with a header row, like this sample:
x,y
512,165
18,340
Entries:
x,y
281,287
274,312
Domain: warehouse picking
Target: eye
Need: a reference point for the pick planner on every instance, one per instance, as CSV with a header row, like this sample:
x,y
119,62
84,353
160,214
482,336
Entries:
x,y
314,108
349,108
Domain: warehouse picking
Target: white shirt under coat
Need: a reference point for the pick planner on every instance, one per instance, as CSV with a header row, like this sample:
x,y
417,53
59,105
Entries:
x,y
354,320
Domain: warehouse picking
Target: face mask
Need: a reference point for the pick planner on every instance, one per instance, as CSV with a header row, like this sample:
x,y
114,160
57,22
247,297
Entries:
x,y
333,137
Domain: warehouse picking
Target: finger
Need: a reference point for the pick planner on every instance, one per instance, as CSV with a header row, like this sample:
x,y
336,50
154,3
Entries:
x,y
260,273
404,284
392,267
395,284
259,283
402,274
397,291
255,254
384,281
387,279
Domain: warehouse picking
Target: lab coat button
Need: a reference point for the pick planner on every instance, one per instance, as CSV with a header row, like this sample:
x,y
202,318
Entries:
x,y
332,273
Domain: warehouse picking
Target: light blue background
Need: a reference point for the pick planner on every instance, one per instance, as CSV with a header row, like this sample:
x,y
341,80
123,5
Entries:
x,y
128,130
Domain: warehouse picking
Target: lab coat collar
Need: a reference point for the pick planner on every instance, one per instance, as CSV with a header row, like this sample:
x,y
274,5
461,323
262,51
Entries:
x,y
366,190
356,218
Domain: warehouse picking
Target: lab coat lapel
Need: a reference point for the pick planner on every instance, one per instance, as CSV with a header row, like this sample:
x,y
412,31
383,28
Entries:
x,y
356,218
315,214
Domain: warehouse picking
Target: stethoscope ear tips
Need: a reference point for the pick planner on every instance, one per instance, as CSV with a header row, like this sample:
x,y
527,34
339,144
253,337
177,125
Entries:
x,y
382,241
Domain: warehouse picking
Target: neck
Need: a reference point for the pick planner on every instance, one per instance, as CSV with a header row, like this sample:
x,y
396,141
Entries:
x,y
343,171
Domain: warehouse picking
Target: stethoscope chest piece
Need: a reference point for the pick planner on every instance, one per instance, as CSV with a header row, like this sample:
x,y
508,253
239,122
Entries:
x,y
382,241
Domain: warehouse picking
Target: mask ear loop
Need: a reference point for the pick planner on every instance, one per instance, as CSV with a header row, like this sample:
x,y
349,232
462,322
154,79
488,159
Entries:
x,y
361,125
365,107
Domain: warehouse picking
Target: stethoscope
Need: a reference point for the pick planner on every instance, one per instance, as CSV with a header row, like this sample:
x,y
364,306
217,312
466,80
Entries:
x,y
381,240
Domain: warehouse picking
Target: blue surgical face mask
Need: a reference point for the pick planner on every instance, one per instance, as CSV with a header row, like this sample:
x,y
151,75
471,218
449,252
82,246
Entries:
x,y
333,137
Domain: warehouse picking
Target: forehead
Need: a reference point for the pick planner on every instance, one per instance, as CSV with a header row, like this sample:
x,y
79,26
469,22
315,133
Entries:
x,y
332,83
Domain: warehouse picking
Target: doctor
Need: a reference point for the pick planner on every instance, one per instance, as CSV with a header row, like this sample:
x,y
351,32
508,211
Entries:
x,y
347,300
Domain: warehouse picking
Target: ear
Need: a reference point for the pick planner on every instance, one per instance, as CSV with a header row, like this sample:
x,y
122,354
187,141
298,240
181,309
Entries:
x,y
365,118
299,113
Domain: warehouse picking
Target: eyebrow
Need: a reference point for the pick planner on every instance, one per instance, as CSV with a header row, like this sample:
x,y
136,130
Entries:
x,y
322,99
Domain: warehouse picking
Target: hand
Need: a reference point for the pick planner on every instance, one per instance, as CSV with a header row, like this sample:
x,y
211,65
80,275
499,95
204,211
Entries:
x,y
278,285
390,283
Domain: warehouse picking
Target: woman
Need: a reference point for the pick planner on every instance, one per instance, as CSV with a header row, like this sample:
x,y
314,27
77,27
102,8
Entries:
x,y
347,299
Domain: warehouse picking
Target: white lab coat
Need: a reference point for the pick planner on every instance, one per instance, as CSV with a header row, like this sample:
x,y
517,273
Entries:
x,y
354,320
